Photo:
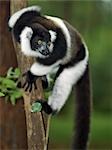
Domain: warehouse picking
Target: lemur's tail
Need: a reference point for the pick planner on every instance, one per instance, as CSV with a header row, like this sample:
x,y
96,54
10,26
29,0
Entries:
x,y
83,110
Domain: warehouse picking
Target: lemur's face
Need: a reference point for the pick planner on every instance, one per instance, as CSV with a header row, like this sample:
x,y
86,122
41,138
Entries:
x,y
37,41
41,40
41,44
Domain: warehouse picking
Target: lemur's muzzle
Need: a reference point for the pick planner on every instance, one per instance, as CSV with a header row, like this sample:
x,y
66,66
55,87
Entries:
x,y
44,49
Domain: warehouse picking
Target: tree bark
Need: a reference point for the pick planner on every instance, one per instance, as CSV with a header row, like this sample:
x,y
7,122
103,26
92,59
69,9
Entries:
x,y
12,118
37,123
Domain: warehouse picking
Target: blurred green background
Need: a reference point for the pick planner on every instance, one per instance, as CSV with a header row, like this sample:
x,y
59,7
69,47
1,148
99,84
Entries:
x,y
93,19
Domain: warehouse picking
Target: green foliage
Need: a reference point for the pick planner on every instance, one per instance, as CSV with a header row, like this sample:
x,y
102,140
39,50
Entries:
x,y
36,107
13,74
2,94
8,86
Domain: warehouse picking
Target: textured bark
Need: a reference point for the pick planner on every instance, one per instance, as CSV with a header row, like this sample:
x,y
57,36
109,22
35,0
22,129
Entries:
x,y
37,123
12,118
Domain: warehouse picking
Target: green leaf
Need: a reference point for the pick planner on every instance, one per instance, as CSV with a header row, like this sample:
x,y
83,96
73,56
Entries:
x,y
2,94
9,72
47,94
17,94
13,74
8,86
36,107
1,79
7,98
14,96
13,100
9,83
17,72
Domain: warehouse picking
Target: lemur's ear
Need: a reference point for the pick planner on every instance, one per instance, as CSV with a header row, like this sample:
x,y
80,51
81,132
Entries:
x,y
28,12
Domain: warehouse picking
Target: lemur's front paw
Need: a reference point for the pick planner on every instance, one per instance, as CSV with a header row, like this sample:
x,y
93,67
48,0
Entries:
x,y
45,107
30,81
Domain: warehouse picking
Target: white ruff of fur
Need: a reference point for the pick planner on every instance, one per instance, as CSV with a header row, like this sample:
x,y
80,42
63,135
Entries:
x,y
40,70
59,22
53,38
25,38
65,82
53,35
19,13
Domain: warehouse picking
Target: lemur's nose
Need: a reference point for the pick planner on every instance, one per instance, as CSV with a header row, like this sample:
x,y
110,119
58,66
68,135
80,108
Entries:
x,y
45,52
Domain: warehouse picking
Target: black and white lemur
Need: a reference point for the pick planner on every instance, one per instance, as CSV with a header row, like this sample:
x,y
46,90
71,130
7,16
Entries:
x,y
56,45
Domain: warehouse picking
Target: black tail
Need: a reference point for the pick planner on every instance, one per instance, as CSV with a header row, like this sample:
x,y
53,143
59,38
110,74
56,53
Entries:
x,y
83,110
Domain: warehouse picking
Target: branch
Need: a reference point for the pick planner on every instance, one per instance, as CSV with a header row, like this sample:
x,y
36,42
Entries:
x,y
37,123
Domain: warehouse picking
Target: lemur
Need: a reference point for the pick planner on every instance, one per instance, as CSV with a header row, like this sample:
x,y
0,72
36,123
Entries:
x,y
56,45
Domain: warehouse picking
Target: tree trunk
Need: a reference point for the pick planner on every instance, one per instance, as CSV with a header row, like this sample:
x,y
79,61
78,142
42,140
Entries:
x,y
12,118
37,123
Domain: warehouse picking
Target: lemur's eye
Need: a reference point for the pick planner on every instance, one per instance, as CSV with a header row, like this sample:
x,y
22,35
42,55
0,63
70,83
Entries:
x,y
39,42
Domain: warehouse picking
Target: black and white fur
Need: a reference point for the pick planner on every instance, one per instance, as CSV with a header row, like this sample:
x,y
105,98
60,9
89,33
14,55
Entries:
x,y
67,53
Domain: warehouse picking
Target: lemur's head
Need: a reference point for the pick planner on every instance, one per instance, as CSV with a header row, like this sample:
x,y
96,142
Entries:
x,y
41,40
34,38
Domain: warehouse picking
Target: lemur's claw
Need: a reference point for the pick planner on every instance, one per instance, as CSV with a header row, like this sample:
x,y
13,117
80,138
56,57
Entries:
x,y
23,86
30,81
19,84
45,107
35,86
45,83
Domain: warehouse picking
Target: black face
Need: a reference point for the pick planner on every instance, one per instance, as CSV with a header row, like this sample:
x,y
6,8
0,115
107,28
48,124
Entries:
x,y
40,41
41,44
